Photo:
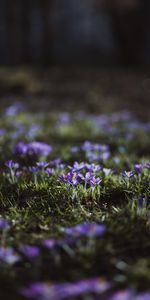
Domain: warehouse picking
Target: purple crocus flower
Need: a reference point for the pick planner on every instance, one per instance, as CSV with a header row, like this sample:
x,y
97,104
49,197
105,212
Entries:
x,y
70,178
55,243
77,166
50,243
138,168
105,155
33,148
74,149
43,291
14,109
30,252
86,229
8,256
42,165
87,177
33,170
107,171
4,225
39,149
128,174
126,294
35,291
93,167
2,131
64,118
95,181
11,164
21,148
143,296
147,166
87,146
49,172
56,162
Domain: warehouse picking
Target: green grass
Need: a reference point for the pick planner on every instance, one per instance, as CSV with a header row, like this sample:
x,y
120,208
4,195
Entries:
x,y
41,211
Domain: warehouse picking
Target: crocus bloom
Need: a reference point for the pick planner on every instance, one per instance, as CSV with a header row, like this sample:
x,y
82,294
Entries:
x,y
4,225
49,172
87,177
126,294
107,171
93,167
39,149
74,149
128,174
11,164
43,291
42,165
138,168
56,162
77,166
14,109
8,256
95,181
33,170
33,148
86,229
30,251
70,178
143,296
21,148
147,165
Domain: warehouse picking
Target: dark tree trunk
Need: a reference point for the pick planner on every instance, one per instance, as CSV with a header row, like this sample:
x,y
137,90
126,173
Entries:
x,y
13,31
129,27
26,30
46,9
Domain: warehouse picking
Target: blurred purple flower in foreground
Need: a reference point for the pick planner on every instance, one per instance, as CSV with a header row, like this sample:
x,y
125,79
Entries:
x,y
129,294
86,229
43,291
8,256
30,252
126,294
143,296
4,225
54,243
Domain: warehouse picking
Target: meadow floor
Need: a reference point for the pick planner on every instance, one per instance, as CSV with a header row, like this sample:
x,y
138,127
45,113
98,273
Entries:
x,y
74,184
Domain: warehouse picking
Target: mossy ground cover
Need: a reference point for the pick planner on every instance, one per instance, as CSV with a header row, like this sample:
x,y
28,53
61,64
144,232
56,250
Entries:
x,y
63,169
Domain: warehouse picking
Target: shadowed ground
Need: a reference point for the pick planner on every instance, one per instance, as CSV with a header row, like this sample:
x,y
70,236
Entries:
x,y
90,89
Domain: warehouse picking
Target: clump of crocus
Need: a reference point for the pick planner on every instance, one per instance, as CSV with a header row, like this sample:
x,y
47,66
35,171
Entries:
x,y
8,255
70,178
37,149
58,291
86,229
12,166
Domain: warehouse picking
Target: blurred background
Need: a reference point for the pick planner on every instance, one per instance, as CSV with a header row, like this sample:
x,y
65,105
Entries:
x,y
100,32
104,43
